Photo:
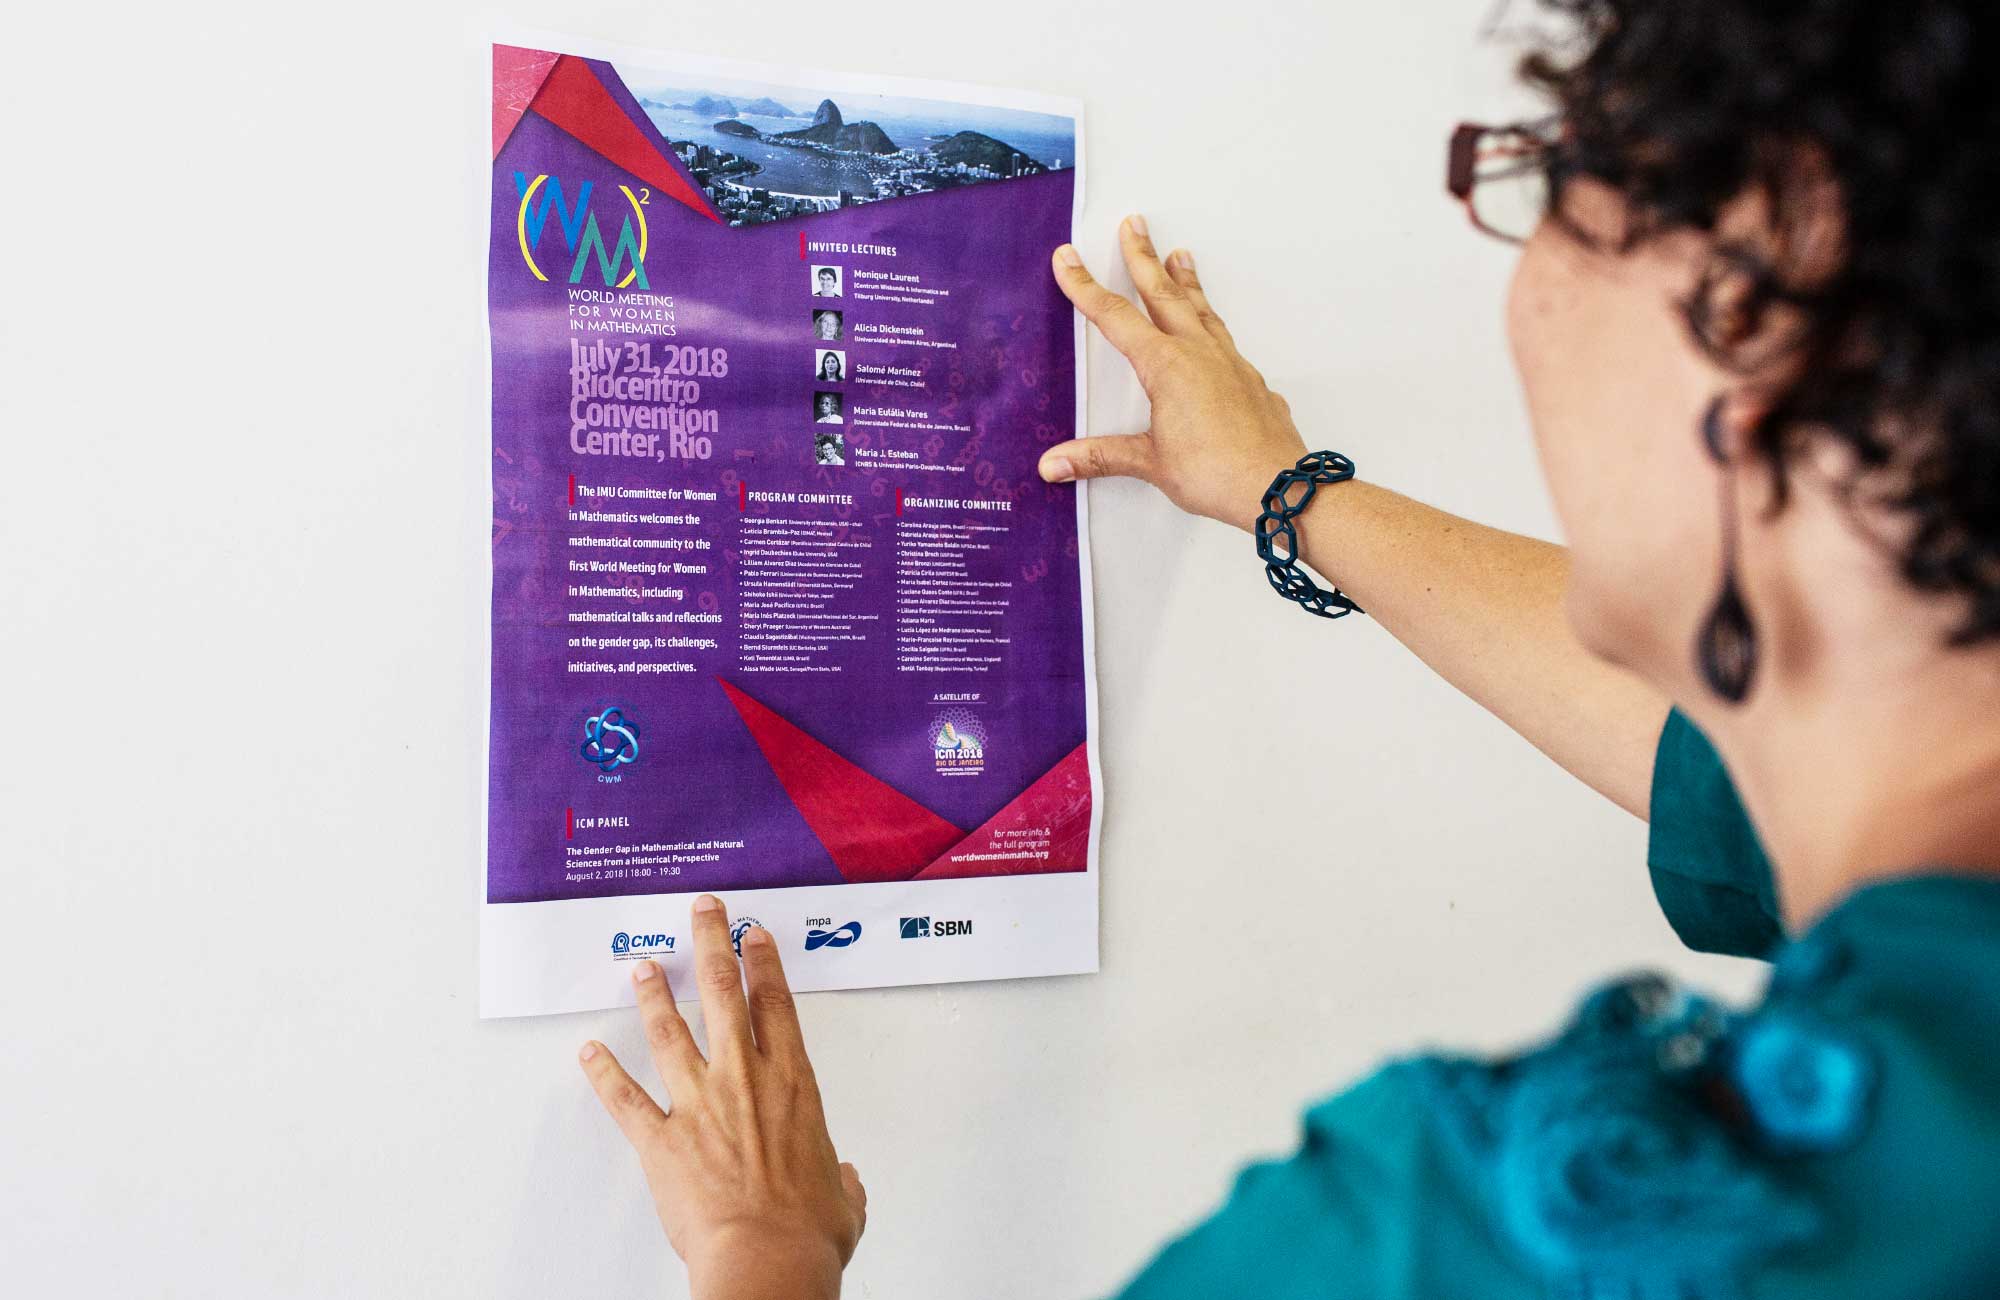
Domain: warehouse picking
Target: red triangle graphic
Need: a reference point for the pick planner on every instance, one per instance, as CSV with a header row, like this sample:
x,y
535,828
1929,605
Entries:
x,y
517,75
872,831
1045,828
575,100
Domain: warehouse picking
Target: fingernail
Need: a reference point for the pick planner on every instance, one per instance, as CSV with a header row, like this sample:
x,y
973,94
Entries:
x,y
587,1051
756,936
1068,255
644,971
1138,224
707,903
1185,258
1057,470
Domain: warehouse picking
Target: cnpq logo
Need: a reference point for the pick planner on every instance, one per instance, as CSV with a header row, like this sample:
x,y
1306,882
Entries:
x,y
625,945
583,239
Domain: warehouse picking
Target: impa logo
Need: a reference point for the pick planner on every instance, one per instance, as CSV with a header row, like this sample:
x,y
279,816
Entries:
x,y
839,937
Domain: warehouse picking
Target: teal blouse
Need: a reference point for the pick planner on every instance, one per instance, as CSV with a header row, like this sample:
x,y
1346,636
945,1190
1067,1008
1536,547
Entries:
x,y
1840,1140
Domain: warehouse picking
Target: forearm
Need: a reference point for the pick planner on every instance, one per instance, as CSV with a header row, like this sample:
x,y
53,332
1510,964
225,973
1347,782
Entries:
x,y
1484,608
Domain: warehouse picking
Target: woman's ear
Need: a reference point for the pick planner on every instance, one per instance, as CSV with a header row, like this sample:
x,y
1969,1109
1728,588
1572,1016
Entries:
x,y
1783,238
1727,304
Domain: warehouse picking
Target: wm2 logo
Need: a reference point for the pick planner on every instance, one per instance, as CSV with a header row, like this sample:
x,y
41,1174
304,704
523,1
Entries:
x,y
580,233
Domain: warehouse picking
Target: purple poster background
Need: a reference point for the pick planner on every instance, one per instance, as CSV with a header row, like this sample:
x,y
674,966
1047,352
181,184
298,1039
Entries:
x,y
699,775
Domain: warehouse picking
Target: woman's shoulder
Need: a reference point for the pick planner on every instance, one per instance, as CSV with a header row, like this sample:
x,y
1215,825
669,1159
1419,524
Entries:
x,y
1832,1141
1621,1158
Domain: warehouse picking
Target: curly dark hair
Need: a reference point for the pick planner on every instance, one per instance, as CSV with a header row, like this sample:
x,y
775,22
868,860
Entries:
x,y
1889,109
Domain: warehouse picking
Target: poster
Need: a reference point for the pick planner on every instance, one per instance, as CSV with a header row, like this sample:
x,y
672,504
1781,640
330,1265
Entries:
x,y
780,609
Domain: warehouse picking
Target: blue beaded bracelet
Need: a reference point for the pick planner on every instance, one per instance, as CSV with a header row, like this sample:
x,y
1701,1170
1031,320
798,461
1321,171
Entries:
x,y
1291,492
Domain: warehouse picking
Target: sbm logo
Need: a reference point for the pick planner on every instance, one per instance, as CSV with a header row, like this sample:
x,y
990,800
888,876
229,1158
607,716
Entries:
x,y
922,927
580,232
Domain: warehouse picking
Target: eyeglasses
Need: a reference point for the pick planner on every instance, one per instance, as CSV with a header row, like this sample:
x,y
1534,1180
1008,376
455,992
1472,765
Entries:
x,y
1500,174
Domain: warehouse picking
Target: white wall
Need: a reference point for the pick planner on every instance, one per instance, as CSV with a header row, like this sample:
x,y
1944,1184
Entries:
x,y
241,783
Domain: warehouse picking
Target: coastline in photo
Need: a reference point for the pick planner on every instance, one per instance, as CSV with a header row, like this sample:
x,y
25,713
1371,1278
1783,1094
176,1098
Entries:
x,y
764,152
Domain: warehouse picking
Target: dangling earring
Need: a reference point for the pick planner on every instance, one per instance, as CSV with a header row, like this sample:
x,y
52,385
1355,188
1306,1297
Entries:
x,y
1726,647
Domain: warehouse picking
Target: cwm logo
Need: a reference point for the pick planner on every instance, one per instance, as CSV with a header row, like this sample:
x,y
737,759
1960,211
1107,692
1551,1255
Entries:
x,y
583,239
610,739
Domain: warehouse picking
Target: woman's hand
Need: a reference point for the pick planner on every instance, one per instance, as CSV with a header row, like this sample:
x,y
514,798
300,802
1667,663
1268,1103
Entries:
x,y
1219,434
742,1172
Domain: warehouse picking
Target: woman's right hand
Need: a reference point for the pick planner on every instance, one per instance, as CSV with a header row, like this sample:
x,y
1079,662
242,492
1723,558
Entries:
x,y
741,1168
1219,433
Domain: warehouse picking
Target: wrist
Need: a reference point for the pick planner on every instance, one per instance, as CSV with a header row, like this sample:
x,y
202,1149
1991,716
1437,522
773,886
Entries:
x,y
757,1264
1242,502
1278,528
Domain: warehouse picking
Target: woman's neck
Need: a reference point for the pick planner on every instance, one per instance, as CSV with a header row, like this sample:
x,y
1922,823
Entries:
x,y
1864,785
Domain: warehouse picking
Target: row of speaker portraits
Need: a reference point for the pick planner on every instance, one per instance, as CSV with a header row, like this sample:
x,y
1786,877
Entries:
x,y
829,408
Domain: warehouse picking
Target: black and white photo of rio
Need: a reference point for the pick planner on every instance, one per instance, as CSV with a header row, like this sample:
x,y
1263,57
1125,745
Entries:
x,y
761,158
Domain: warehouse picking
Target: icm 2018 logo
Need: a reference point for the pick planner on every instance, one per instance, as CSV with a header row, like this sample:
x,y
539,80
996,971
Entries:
x,y
580,233
958,743
610,740
625,945
838,937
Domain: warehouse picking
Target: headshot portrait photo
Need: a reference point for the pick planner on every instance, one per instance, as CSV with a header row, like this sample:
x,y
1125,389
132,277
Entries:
x,y
826,281
829,449
827,409
826,325
829,366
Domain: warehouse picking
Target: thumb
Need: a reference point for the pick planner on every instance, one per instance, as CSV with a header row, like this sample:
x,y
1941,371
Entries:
x,y
857,1195
1107,455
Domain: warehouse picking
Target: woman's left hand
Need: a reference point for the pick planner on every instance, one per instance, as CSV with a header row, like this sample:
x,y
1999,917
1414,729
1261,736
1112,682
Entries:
x,y
742,1171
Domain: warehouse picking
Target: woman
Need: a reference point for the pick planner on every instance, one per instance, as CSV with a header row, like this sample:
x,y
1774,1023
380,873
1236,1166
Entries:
x,y
829,367
1759,332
